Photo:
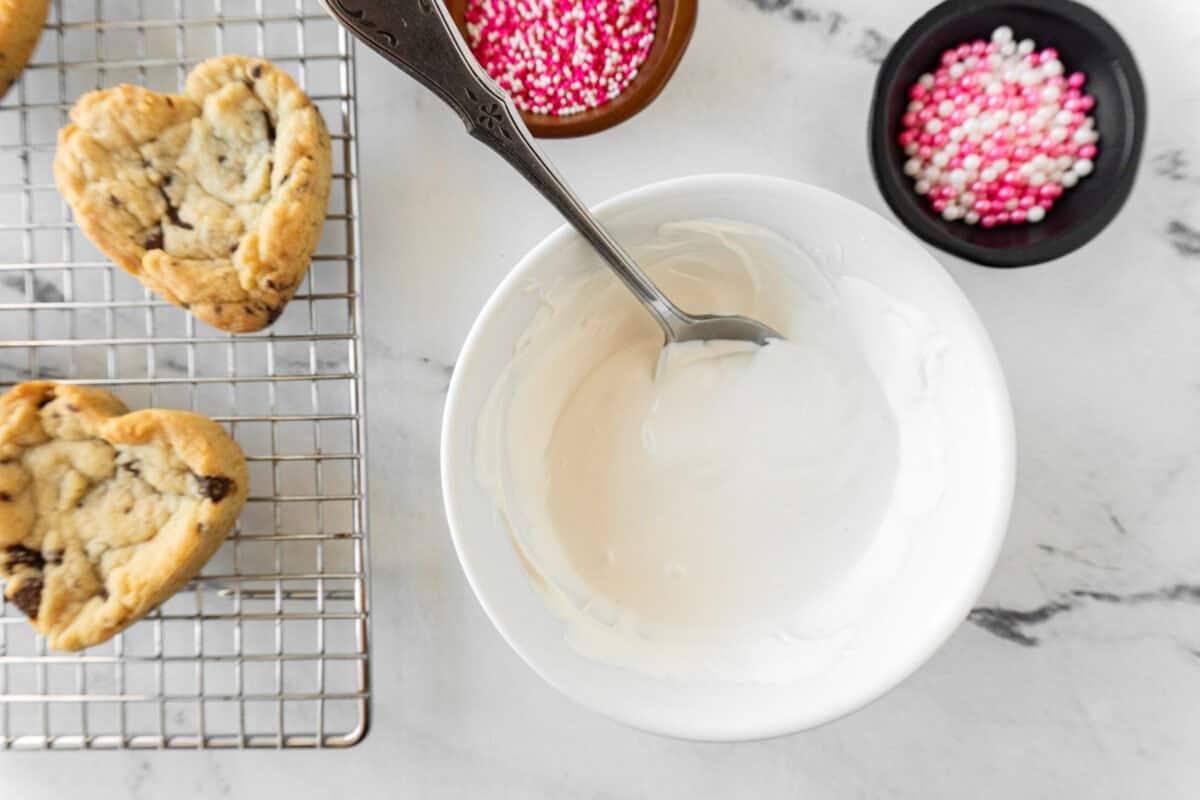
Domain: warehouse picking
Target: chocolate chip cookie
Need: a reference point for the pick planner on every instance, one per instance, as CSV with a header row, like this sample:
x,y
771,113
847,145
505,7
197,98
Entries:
x,y
105,513
21,24
215,198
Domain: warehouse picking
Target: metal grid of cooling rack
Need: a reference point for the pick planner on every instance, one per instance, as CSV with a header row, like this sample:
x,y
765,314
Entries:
x,y
268,647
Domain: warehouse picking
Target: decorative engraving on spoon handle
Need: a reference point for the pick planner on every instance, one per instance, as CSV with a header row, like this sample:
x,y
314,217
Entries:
x,y
420,37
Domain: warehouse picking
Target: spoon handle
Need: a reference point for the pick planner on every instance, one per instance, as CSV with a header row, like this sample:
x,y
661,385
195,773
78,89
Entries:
x,y
419,37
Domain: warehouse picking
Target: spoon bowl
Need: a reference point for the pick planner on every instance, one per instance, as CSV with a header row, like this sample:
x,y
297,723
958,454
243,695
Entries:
x,y
733,328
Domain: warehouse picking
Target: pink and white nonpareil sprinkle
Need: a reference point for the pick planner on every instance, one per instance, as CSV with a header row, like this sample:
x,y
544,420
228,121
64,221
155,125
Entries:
x,y
561,57
997,133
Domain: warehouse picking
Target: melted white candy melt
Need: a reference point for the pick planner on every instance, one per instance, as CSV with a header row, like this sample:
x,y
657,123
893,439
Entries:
x,y
716,509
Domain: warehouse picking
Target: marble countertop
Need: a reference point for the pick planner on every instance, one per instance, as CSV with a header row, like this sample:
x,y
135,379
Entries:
x,y
1079,672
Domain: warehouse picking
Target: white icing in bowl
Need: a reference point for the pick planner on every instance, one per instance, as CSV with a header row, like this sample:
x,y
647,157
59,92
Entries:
x,y
839,620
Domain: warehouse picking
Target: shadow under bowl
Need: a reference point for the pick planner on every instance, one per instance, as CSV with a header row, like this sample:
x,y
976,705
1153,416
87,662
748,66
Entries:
x,y
1086,43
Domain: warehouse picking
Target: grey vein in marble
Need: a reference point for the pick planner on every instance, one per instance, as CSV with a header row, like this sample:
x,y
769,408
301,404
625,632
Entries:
x,y
43,291
863,42
1172,165
1184,238
1013,624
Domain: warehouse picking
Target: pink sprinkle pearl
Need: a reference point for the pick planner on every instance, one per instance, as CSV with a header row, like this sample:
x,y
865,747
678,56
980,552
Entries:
x,y
562,57
996,125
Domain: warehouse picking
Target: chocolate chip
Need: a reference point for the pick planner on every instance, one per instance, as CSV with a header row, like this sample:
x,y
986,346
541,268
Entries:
x,y
131,468
272,285
186,306
103,592
217,308
18,555
274,313
170,103
112,198
256,71
233,248
5,497
45,400
167,180
173,212
270,126
29,597
128,509
215,487
154,240
286,178
6,460
221,159
248,309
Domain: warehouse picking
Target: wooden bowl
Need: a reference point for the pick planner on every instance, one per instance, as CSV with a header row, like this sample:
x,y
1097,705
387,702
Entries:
x,y
676,20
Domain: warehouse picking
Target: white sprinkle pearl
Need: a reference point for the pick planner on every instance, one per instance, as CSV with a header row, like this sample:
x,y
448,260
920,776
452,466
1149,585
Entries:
x,y
993,138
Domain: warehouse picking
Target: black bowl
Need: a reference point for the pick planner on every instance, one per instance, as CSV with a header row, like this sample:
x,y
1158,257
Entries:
x,y
1086,42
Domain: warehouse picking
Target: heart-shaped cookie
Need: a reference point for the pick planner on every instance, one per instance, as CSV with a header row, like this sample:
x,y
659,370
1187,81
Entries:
x,y
214,198
105,513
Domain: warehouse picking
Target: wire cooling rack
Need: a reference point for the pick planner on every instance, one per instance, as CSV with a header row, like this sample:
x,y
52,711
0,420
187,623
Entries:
x,y
268,647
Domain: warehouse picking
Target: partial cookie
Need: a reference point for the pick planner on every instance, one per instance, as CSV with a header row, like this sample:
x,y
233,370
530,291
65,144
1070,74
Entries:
x,y
21,24
106,513
215,198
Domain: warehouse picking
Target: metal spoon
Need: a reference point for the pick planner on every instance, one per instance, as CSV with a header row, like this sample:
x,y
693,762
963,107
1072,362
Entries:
x,y
420,38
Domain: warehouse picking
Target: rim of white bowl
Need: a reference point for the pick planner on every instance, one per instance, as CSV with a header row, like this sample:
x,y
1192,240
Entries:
x,y
931,638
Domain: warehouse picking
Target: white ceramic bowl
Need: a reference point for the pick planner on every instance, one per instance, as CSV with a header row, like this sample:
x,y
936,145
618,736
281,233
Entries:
x,y
943,573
